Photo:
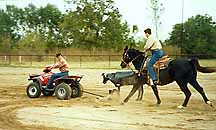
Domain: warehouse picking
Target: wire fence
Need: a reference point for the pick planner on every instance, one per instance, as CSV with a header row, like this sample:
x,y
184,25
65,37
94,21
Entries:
x,y
84,61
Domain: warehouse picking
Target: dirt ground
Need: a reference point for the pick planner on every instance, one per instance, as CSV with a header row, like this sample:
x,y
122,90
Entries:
x,y
18,112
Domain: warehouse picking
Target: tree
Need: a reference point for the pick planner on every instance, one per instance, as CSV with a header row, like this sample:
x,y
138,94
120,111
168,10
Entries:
x,y
16,15
6,24
32,43
43,20
199,35
5,45
95,24
157,9
6,32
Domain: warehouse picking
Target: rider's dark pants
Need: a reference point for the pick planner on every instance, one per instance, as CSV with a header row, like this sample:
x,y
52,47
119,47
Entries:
x,y
55,76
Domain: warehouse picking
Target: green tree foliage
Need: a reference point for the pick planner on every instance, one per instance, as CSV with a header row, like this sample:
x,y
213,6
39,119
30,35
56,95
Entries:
x,y
6,24
15,15
6,32
91,24
95,24
43,20
32,43
5,45
196,36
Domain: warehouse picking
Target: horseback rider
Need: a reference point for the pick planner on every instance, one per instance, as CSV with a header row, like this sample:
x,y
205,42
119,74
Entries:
x,y
154,45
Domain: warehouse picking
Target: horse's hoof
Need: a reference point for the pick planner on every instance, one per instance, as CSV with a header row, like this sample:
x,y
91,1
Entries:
x,y
138,99
181,107
157,105
158,102
122,103
125,101
210,103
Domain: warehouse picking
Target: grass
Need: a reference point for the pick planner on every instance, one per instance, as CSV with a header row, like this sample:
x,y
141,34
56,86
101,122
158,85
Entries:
x,y
208,62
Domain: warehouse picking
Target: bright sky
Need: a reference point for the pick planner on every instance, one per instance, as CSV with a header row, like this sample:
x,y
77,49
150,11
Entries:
x,y
137,12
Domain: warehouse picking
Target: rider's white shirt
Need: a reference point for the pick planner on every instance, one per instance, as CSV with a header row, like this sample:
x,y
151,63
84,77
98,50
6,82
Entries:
x,y
152,43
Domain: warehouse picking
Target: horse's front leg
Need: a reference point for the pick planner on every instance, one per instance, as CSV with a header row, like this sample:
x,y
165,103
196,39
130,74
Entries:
x,y
140,93
134,89
155,90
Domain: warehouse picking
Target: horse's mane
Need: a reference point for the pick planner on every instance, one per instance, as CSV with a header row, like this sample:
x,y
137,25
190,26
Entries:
x,y
134,50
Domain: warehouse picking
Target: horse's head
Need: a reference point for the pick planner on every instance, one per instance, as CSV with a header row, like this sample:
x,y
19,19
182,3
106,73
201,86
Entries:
x,y
125,58
131,55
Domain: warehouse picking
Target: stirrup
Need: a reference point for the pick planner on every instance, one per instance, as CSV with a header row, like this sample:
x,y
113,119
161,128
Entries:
x,y
155,82
151,83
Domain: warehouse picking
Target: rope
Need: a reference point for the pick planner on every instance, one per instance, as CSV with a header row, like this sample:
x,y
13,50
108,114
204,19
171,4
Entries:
x,y
93,94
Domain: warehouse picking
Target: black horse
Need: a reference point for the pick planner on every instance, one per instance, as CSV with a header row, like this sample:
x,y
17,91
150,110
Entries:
x,y
183,71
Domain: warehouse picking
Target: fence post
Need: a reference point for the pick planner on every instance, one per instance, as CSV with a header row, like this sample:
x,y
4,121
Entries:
x,y
20,59
5,59
80,61
9,59
109,60
31,60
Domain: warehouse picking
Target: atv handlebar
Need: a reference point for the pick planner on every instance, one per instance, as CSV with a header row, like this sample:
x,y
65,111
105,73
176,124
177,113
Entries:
x,y
47,69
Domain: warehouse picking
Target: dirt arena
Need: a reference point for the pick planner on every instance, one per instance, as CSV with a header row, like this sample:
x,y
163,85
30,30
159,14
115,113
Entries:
x,y
18,112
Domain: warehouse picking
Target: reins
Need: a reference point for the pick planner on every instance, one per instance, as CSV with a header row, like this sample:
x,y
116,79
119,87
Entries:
x,y
129,66
131,61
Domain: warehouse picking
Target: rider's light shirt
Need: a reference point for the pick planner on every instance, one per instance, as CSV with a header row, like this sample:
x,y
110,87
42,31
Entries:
x,y
152,43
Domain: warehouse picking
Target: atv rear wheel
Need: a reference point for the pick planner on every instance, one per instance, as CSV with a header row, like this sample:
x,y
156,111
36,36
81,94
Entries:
x,y
63,91
33,90
77,91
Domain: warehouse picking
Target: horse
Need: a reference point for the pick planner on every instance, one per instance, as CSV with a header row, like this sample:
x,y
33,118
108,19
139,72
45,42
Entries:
x,y
183,71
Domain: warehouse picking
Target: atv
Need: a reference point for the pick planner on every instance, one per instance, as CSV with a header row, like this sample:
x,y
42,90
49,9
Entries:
x,y
64,87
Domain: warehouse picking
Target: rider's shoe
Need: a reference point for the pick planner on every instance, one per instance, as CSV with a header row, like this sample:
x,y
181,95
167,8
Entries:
x,y
151,83
155,82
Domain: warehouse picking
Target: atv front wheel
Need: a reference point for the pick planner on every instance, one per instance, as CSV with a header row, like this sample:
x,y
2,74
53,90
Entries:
x,y
63,91
33,90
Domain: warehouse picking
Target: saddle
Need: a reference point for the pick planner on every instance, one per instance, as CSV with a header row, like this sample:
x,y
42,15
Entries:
x,y
162,63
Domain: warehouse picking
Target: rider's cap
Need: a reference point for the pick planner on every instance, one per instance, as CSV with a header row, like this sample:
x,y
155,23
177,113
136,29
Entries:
x,y
148,30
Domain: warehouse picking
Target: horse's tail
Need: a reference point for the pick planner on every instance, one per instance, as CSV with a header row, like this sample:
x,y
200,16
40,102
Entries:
x,y
201,68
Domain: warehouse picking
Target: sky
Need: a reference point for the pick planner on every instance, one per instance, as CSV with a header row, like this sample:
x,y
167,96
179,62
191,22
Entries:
x,y
138,12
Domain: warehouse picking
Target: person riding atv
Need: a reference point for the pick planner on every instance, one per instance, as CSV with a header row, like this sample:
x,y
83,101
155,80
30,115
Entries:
x,y
63,85
63,67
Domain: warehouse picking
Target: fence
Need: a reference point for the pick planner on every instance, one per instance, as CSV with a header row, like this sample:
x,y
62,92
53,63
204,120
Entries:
x,y
81,61
75,61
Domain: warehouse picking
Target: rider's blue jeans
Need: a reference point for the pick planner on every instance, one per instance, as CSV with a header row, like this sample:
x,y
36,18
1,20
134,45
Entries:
x,y
55,76
156,55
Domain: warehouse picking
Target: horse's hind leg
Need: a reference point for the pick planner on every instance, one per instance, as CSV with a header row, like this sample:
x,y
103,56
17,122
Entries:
x,y
134,89
140,93
196,85
155,90
183,86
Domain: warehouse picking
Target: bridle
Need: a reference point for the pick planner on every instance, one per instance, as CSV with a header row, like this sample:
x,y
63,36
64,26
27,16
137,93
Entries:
x,y
128,64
